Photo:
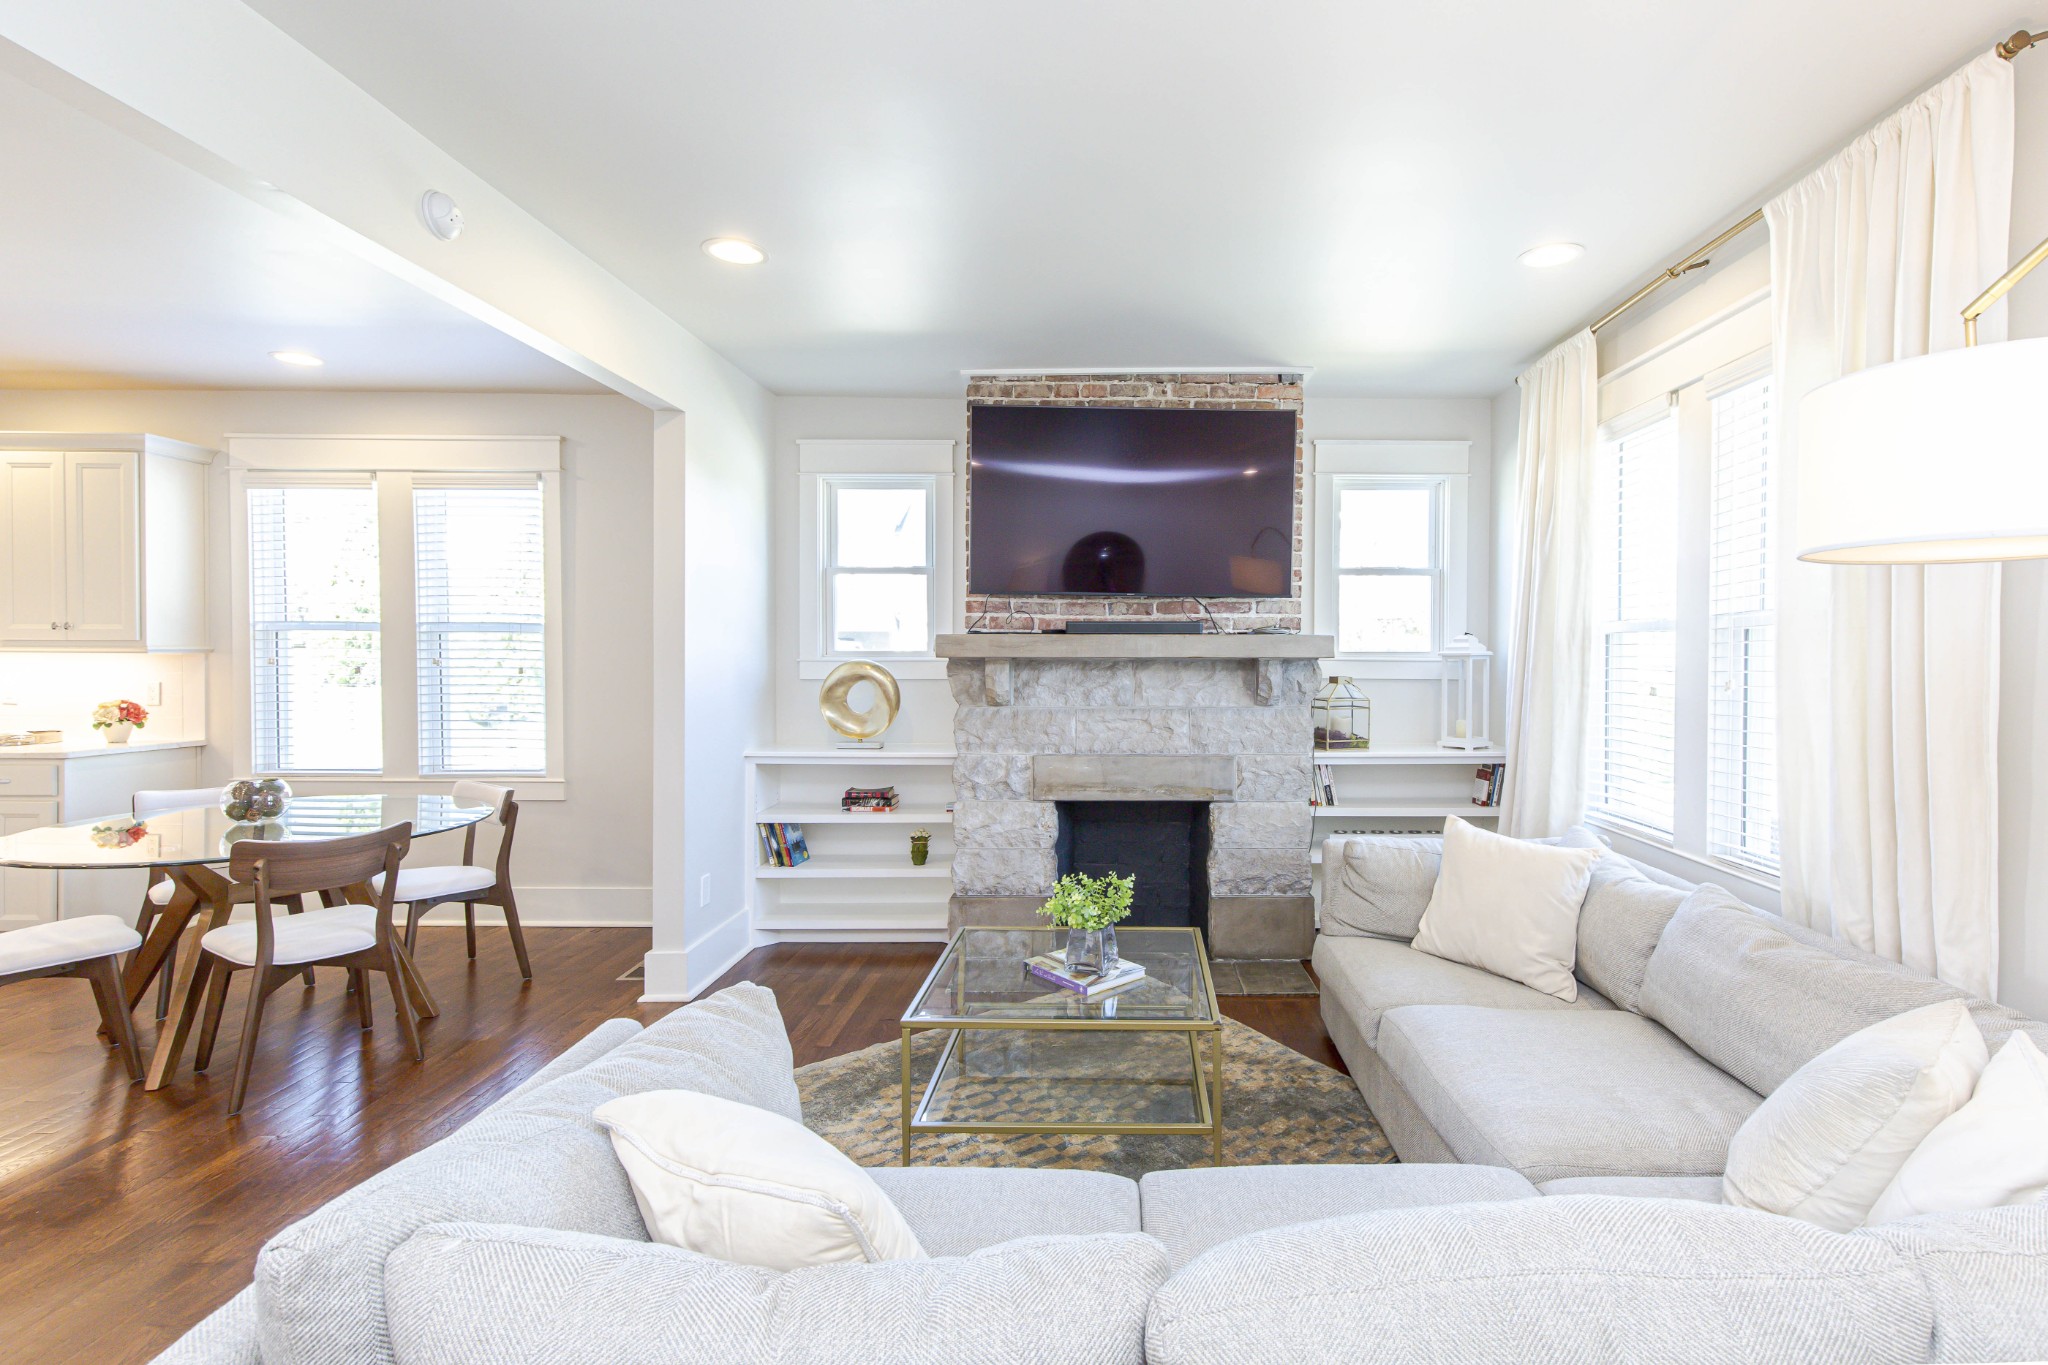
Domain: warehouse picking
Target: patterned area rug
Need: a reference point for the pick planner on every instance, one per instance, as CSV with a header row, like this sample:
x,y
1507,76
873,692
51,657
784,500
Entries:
x,y
1278,1107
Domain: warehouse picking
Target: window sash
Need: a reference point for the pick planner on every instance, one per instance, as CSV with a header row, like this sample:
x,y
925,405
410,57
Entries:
x,y
1633,741
1742,776
1341,485
830,570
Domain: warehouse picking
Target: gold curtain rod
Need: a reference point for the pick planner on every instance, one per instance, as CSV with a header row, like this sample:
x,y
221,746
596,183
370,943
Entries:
x,y
2007,48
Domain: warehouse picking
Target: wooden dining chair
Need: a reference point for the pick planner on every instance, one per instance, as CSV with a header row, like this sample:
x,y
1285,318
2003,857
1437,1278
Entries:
x,y
275,948
161,885
87,947
420,889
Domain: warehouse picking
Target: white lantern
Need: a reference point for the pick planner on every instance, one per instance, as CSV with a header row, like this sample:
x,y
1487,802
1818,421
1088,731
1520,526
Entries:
x,y
1467,694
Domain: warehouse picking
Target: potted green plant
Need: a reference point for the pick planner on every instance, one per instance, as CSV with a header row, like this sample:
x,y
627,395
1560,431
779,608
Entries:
x,y
1088,908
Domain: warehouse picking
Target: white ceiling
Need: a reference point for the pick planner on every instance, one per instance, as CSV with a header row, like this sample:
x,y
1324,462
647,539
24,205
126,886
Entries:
x,y
1343,184
127,269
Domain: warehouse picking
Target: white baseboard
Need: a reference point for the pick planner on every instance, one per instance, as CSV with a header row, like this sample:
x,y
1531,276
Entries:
x,y
565,906
683,974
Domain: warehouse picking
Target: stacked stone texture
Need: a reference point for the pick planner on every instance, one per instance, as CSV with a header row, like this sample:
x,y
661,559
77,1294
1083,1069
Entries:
x,y
1241,392
1254,713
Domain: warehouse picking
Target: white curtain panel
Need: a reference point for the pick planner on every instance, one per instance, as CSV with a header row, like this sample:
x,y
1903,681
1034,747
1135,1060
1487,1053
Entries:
x,y
1888,677
1551,651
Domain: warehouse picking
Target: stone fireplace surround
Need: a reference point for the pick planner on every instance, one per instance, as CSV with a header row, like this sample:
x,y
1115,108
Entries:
x,y
1223,719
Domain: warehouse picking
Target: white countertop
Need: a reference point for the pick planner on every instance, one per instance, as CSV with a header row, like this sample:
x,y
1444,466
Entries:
x,y
91,748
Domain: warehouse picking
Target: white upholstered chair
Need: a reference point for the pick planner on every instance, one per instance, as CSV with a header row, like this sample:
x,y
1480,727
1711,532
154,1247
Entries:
x,y
420,889
274,948
88,947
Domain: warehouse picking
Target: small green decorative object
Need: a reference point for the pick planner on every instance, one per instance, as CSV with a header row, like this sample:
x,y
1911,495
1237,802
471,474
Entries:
x,y
920,846
1088,908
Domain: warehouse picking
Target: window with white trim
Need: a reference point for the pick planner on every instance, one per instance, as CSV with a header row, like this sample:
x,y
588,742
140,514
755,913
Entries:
x,y
1682,749
316,698
1742,692
340,569
880,545
480,576
1635,608
1389,565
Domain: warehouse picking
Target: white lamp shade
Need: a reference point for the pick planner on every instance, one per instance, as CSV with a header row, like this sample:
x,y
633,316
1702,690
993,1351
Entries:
x,y
1942,459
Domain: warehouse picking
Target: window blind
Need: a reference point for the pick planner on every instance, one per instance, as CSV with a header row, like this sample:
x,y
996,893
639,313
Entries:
x,y
1635,579
315,695
479,561
1742,760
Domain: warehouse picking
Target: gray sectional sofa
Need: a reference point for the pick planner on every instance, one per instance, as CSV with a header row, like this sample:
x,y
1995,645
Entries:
x,y
1561,1203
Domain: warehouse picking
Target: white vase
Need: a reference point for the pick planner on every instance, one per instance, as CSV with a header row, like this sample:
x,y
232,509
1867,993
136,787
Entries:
x,y
118,732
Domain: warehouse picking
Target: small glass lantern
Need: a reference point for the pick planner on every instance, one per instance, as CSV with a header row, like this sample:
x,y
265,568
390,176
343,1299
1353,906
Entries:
x,y
1343,716
1467,694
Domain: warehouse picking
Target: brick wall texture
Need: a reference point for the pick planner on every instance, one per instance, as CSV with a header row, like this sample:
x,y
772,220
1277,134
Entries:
x,y
1230,391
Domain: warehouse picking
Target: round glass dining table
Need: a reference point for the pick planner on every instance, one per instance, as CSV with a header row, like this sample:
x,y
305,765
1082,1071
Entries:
x,y
184,843
202,834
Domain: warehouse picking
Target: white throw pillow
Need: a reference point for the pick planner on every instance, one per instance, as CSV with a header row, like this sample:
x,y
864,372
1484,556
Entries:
x,y
1509,907
1826,1143
1991,1152
728,1180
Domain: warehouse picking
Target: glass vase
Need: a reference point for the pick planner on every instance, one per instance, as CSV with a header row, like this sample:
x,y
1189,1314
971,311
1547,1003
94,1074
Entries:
x,y
1091,952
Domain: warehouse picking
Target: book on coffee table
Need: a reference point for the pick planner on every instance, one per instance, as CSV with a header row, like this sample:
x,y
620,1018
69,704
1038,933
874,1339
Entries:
x,y
1051,968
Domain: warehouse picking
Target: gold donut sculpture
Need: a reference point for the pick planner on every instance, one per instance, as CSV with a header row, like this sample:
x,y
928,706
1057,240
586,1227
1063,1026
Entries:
x,y
839,713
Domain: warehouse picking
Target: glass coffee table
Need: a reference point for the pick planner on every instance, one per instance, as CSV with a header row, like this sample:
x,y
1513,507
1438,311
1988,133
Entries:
x,y
1022,1056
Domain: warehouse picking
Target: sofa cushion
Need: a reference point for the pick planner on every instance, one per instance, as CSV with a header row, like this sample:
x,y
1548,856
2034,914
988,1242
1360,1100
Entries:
x,y
1624,915
226,1336
1542,1280
1987,1273
1508,906
1829,1140
1756,1000
1564,1092
1195,1209
1705,1189
542,1162
1369,976
575,1057
955,1210
1377,885
470,1294
1991,1152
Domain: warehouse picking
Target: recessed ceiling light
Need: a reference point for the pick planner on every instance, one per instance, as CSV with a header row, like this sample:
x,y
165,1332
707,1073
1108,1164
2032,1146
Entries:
x,y
1551,253
305,358
735,251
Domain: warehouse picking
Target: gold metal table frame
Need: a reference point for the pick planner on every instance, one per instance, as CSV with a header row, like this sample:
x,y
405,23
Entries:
x,y
1205,1082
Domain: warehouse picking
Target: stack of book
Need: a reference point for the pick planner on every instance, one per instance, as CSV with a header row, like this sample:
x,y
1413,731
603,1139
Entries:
x,y
783,845
1325,793
1051,968
875,800
1486,782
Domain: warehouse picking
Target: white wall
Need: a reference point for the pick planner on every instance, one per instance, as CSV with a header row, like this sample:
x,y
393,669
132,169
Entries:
x,y
1403,711
582,860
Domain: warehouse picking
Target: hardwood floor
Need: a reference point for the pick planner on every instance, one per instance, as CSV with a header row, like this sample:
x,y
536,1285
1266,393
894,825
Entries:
x,y
125,1217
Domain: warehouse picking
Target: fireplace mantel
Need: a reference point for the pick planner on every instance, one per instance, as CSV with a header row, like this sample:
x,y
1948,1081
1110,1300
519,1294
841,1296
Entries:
x,y
1055,645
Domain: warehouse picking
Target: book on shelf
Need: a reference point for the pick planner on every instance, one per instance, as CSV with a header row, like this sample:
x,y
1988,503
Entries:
x,y
783,845
879,800
1324,791
1486,782
1051,968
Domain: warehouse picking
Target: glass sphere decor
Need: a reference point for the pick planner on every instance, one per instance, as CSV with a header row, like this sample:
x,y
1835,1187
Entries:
x,y
251,799
1343,716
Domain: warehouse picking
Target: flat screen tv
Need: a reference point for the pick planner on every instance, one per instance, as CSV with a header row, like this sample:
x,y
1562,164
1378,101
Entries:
x,y
1159,502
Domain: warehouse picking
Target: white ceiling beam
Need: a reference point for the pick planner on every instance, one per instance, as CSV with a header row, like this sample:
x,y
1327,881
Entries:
x,y
219,88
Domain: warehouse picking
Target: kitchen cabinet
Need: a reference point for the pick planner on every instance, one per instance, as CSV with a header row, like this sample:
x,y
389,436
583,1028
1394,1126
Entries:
x,y
102,542
48,784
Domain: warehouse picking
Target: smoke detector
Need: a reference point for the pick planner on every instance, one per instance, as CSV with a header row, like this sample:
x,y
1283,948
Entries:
x,y
439,212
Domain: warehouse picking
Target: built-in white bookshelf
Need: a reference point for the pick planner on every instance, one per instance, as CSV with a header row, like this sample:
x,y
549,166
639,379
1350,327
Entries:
x,y
1402,789
859,882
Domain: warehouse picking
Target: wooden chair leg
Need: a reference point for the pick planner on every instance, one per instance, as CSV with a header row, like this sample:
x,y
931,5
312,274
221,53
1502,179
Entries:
x,y
407,1025
209,1027
165,975
105,976
358,981
469,926
511,909
297,906
414,913
245,1055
